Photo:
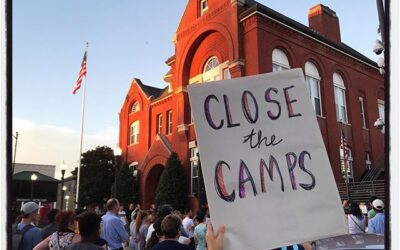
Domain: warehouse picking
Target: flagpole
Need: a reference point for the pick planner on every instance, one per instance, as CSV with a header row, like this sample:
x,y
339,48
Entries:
x,y
82,122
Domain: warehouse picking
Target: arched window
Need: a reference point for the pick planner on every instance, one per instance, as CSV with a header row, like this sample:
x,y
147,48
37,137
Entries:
x,y
134,133
313,84
340,97
211,70
279,60
203,7
135,107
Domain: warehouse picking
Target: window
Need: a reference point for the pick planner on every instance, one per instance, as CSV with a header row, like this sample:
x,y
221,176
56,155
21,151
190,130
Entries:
x,y
159,124
134,135
279,60
203,7
349,163
368,161
362,112
227,74
381,109
313,84
169,122
135,107
340,98
211,70
194,166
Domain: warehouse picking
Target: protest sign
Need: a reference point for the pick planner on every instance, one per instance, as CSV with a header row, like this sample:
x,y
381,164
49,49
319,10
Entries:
x,y
266,171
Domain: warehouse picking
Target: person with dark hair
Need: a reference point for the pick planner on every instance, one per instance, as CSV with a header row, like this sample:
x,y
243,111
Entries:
x,y
129,212
371,212
154,233
200,232
113,231
89,227
170,229
31,234
51,227
377,224
64,235
77,212
162,211
356,221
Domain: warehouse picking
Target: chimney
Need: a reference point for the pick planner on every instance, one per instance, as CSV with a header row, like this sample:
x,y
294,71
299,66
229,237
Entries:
x,y
324,21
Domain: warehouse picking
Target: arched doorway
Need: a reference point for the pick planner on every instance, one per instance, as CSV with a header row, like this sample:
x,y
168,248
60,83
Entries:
x,y
151,183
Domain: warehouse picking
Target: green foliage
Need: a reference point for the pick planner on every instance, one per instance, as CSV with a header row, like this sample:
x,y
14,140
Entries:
x,y
127,187
171,188
96,176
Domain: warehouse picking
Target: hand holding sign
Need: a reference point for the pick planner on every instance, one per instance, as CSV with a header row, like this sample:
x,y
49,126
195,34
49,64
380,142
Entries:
x,y
265,167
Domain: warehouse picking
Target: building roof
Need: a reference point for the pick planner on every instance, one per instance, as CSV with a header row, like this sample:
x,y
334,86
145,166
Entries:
x,y
26,176
150,90
255,6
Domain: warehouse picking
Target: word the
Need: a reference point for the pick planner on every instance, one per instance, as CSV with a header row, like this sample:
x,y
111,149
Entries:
x,y
260,140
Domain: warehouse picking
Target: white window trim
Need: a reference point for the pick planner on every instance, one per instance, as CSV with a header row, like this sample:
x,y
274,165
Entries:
x,y
343,88
134,138
319,92
159,124
278,63
381,102
193,159
203,10
169,122
200,79
131,111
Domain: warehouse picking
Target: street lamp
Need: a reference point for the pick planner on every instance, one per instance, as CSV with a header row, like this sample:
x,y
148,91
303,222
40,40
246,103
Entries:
x,y
33,179
63,167
117,152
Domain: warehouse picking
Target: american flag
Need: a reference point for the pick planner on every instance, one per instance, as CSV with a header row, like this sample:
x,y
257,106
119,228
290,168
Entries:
x,y
82,73
345,149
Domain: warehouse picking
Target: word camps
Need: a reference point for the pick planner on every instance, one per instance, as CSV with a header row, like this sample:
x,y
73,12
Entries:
x,y
252,117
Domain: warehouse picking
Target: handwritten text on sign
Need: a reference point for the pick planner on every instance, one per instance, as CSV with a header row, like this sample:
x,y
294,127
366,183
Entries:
x,y
262,154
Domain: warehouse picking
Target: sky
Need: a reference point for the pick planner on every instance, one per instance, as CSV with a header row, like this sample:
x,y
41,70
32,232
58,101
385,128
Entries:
x,y
127,39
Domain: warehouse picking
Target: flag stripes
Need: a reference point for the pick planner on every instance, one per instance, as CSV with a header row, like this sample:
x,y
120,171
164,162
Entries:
x,y
82,73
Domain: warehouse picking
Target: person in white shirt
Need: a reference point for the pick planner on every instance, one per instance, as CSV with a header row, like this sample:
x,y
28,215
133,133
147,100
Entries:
x,y
122,216
188,225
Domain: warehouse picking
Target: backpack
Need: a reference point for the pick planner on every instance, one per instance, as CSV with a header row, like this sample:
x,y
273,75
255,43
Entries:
x,y
18,236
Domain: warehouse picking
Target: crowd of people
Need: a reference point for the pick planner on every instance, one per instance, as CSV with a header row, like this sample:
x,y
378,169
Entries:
x,y
161,228
372,221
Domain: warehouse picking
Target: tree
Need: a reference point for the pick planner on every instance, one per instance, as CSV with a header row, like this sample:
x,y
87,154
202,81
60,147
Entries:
x,y
171,188
96,176
127,188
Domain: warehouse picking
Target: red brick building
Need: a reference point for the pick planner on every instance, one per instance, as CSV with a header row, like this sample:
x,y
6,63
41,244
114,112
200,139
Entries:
x,y
222,39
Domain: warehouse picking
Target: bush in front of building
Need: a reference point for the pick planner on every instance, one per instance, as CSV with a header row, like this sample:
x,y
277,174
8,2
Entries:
x,y
171,188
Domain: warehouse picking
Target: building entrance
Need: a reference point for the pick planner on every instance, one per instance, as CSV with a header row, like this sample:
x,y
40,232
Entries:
x,y
151,183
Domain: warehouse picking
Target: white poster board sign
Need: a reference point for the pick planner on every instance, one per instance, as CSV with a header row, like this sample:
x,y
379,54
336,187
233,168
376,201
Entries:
x,y
266,171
